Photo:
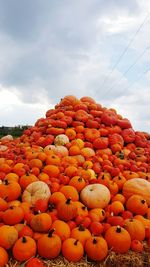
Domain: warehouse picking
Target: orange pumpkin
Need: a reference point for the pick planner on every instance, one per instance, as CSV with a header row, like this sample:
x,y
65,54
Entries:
x,y
13,215
41,222
72,250
135,228
70,192
49,245
137,205
8,236
24,248
10,190
3,257
118,239
62,229
81,233
66,210
137,186
96,248
35,262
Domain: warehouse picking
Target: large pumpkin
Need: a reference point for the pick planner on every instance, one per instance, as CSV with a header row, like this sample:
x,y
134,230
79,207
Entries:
x,y
95,196
137,186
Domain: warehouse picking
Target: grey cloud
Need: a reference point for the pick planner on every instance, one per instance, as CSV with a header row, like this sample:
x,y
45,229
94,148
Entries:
x,y
55,39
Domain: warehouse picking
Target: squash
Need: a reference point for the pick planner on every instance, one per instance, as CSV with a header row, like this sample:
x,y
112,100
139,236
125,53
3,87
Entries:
x,y
34,191
137,186
95,196
61,140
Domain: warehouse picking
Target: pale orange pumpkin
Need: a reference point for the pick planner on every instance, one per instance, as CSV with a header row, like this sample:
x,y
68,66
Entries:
x,y
95,196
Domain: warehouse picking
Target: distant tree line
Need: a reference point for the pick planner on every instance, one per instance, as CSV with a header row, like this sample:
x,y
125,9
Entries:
x,y
15,131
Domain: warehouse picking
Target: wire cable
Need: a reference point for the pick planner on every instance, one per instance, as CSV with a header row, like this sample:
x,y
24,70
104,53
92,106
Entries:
x,y
129,68
134,82
125,50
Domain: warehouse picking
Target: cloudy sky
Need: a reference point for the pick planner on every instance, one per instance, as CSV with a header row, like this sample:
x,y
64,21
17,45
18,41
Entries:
x,y
52,48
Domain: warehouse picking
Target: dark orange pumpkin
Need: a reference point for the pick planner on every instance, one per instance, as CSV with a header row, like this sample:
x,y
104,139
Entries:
x,y
96,248
72,250
118,239
81,233
135,228
24,248
49,245
3,257
66,210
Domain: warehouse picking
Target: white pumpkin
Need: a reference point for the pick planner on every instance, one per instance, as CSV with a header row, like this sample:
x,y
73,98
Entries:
x,y
34,191
7,137
3,148
61,140
95,196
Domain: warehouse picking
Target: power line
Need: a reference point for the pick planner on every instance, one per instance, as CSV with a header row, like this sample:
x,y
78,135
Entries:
x,y
125,50
129,68
134,82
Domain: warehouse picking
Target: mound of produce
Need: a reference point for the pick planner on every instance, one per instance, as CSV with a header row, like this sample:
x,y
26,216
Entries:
x,y
75,187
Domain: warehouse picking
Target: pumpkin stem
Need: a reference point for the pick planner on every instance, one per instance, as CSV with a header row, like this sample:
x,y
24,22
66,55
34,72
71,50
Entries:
x,y
103,212
94,241
50,233
6,182
76,242
80,179
103,177
68,200
81,227
51,206
143,201
24,240
118,229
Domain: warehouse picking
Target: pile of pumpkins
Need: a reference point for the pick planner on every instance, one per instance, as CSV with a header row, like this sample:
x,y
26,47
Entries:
x,y
76,183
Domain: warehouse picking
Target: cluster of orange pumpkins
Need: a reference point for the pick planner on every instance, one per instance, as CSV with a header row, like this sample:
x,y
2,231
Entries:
x,y
76,183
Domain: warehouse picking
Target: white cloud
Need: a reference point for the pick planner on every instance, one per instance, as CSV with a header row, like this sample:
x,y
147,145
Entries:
x,y
60,51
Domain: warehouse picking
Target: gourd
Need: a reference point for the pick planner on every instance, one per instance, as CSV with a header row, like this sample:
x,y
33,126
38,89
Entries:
x,y
95,196
34,191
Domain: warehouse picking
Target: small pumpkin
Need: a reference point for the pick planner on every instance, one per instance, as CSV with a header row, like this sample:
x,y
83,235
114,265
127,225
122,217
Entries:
x,y
135,228
8,236
118,239
13,215
24,248
10,190
34,262
41,222
95,196
62,229
66,210
137,205
3,257
34,191
72,250
81,233
136,246
137,186
96,248
49,245
61,140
